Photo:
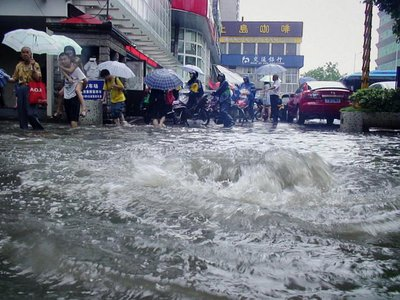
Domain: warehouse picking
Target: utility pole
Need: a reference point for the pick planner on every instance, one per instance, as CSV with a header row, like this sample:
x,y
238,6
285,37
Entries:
x,y
367,43
108,8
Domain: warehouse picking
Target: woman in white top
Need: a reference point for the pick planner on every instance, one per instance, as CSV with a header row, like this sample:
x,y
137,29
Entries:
x,y
274,96
266,111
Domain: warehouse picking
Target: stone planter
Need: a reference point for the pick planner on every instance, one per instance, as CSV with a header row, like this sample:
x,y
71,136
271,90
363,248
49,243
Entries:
x,y
352,121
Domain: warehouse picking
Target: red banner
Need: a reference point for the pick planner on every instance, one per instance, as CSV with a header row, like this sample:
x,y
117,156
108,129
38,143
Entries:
x,y
198,7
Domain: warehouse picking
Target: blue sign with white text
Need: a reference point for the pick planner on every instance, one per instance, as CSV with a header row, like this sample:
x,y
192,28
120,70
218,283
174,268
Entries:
x,y
287,61
93,90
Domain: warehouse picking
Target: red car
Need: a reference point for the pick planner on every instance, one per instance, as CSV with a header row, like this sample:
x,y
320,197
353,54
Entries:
x,y
318,100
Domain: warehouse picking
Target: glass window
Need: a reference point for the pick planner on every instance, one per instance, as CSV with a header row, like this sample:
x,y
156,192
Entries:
x,y
263,49
181,48
180,59
181,34
190,48
249,48
191,60
234,48
277,49
290,49
200,63
199,51
190,36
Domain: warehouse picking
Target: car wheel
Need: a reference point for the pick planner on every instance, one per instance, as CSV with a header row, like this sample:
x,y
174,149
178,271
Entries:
x,y
299,117
329,121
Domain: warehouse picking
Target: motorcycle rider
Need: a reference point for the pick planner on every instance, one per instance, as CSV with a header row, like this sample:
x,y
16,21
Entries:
x,y
248,88
224,99
195,90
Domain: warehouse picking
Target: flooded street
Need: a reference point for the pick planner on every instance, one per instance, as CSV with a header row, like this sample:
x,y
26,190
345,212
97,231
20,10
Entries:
x,y
199,213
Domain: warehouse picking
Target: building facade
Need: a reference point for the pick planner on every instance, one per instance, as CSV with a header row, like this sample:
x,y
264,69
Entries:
x,y
245,46
194,38
230,10
388,48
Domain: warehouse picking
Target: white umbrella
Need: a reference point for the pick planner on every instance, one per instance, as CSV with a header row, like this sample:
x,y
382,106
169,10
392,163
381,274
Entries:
x,y
116,69
230,76
38,41
191,68
270,69
266,78
64,41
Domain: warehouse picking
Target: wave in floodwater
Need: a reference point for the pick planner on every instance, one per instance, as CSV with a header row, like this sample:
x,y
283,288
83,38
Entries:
x,y
197,213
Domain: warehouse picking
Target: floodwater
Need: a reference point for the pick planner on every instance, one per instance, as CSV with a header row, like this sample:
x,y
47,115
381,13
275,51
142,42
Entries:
x,y
296,212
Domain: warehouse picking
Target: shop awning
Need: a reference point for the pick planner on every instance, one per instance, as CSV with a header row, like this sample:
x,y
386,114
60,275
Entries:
x,y
82,19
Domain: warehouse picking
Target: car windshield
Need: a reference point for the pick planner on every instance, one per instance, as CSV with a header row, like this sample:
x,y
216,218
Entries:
x,y
325,84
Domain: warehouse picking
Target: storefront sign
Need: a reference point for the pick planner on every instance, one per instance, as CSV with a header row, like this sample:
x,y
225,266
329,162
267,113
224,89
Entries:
x,y
265,40
93,90
287,61
255,29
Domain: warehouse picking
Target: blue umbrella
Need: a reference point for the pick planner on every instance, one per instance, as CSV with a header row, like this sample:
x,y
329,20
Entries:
x,y
163,79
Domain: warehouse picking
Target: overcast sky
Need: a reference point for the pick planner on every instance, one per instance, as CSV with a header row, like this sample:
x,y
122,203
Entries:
x,y
333,30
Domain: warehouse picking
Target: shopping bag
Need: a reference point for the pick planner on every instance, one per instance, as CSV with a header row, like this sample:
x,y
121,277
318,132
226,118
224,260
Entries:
x,y
37,93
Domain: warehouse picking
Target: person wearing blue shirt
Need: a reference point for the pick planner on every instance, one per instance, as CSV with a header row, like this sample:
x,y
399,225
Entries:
x,y
250,87
224,98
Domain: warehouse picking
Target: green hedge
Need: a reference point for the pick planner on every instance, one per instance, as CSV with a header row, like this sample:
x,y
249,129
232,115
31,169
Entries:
x,y
376,100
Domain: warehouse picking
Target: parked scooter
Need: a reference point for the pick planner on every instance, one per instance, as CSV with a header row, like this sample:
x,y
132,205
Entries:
x,y
180,114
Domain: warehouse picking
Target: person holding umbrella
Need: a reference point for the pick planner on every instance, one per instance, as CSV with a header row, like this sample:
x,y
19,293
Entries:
x,y
25,71
158,107
114,86
274,96
159,81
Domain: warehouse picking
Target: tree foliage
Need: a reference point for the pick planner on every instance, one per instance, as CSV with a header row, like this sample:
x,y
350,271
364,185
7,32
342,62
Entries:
x,y
392,8
328,72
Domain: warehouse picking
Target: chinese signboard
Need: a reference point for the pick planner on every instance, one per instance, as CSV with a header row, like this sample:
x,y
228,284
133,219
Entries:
x,y
287,61
94,90
256,29
260,39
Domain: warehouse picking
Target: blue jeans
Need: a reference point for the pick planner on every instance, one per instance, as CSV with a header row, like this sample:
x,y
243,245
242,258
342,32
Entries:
x,y
27,113
117,109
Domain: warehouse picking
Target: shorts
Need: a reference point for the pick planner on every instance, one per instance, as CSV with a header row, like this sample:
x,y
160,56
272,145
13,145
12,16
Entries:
x,y
72,109
266,101
117,109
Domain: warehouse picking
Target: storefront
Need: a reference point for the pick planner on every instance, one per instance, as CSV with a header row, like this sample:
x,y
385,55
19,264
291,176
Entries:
x,y
248,45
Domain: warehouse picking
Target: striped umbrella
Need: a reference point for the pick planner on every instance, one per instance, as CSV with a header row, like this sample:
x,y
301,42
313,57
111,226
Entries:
x,y
163,79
